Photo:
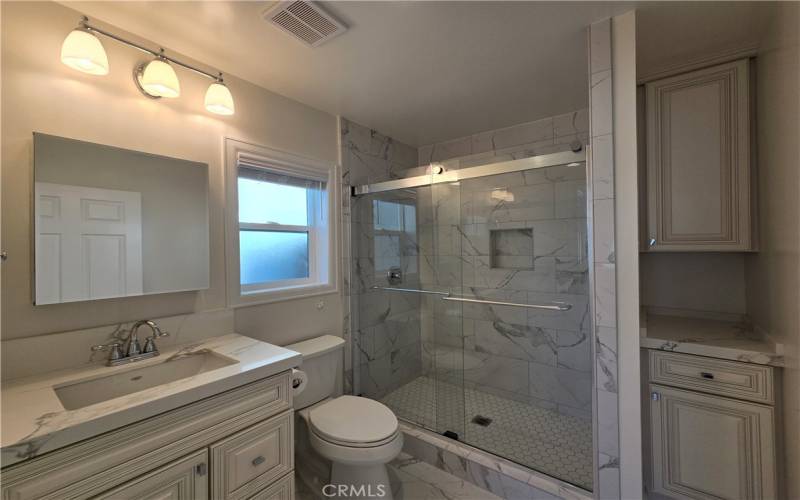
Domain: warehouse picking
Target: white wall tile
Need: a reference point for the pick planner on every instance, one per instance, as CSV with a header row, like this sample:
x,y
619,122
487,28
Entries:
x,y
601,103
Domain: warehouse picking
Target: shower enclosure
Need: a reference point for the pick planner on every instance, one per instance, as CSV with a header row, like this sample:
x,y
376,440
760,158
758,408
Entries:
x,y
471,316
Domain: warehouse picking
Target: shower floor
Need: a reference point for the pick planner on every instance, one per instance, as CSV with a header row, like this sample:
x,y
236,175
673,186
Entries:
x,y
543,440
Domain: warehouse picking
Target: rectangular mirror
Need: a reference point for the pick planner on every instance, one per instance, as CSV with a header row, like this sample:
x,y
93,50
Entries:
x,y
111,222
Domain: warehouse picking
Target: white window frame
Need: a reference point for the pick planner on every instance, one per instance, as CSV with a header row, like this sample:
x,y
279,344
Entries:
x,y
323,229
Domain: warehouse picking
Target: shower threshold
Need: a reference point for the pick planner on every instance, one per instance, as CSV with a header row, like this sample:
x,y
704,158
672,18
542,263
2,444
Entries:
x,y
537,439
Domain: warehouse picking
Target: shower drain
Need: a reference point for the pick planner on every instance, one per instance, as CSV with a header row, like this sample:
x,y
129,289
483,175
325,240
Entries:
x,y
481,420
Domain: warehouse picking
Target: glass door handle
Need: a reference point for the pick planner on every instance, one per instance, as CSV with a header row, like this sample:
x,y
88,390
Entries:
x,y
408,290
555,306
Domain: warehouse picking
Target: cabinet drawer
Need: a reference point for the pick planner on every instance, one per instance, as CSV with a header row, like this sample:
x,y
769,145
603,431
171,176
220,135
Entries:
x,y
716,376
282,489
251,459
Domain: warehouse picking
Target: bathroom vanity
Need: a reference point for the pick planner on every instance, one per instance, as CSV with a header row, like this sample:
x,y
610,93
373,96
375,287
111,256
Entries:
x,y
713,414
225,432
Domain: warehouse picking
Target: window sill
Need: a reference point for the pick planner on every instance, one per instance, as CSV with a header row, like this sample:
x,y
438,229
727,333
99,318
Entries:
x,y
281,294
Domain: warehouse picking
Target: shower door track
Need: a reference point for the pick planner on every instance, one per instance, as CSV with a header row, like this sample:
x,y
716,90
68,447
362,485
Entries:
x,y
570,158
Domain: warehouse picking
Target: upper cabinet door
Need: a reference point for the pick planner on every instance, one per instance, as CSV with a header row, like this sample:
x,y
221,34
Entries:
x,y
698,161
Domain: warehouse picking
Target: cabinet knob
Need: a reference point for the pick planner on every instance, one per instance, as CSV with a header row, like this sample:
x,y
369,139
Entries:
x,y
258,460
707,375
655,396
201,469
652,241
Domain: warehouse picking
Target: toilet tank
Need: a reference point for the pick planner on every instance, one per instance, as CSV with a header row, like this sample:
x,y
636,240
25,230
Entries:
x,y
322,362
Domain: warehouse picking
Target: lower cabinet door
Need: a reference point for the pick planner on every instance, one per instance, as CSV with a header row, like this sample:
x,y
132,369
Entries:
x,y
710,447
183,479
282,489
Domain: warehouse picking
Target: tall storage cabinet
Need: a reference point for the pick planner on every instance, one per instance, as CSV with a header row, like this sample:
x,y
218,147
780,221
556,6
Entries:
x,y
699,186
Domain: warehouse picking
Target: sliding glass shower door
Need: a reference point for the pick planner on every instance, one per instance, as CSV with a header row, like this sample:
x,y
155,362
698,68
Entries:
x,y
473,316
409,342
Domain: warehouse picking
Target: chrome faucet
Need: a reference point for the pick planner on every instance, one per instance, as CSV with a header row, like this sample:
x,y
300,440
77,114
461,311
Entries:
x,y
134,350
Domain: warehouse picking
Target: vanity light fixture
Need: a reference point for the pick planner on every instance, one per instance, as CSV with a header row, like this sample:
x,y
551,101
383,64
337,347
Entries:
x,y
219,99
157,79
83,51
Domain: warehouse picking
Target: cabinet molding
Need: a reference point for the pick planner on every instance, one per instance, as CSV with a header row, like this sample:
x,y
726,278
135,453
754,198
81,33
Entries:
x,y
699,160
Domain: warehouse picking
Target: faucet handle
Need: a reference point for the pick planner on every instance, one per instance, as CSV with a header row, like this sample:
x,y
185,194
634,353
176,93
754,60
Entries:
x,y
114,347
150,342
160,333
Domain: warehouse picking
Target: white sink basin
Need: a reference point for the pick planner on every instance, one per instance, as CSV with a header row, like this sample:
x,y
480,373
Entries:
x,y
88,392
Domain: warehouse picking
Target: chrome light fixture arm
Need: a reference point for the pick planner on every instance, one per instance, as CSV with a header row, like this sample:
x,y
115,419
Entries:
x,y
159,53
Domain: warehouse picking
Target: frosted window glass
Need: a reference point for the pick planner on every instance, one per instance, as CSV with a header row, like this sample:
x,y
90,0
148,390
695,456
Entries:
x,y
269,203
266,256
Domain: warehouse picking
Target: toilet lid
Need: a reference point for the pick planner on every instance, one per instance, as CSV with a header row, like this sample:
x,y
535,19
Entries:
x,y
352,419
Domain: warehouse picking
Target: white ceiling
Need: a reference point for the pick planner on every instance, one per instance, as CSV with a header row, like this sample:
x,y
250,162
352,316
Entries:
x,y
424,72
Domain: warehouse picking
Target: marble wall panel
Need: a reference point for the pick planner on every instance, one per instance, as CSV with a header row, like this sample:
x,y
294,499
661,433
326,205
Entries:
x,y
603,268
383,331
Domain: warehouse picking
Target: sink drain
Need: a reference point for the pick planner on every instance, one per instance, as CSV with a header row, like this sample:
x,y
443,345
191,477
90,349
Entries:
x,y
481,420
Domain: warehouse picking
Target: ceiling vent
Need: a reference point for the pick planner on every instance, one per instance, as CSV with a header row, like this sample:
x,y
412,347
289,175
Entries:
x,y
306,21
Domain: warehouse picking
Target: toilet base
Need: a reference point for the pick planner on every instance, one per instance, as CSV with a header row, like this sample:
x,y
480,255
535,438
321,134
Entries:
x,y
371,481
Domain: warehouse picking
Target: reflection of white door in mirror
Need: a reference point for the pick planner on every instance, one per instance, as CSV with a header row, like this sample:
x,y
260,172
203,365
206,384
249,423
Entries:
x,y
88,243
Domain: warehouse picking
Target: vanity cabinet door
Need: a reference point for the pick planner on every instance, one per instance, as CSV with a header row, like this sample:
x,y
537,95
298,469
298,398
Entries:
x,y
184,479
698,161
710,447
282,489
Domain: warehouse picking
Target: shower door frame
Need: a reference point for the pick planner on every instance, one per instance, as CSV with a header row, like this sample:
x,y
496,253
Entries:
x,y
440,175
569,158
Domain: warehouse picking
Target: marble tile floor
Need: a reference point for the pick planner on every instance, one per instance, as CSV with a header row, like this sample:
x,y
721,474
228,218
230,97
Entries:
x,y
557,445
418,480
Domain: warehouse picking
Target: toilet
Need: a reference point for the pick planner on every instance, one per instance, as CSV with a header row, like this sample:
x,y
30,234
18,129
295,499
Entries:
x,y
359,436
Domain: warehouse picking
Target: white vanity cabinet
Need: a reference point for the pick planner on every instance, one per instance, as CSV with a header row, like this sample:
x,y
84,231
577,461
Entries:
x,y
235,445
699,169
712,428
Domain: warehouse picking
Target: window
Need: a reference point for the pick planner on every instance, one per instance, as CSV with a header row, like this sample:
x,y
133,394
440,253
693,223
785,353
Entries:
x,y
395,225
284,241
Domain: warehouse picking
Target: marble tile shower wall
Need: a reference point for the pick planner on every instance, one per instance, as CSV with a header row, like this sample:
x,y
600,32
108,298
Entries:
x,y
548,135
603,269
518,237
379,350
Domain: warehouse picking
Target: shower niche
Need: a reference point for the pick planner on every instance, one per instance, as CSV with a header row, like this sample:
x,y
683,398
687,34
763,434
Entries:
x,y
511,248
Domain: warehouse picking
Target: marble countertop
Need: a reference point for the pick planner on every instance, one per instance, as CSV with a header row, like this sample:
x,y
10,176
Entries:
x,y
709,337
34,421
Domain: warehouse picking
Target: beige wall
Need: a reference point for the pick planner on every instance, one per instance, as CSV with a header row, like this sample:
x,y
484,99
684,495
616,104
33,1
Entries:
x,y
41,94
712,282
773,274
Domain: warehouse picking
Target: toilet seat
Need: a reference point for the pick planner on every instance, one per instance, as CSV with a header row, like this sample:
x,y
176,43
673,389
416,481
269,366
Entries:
x,y
352,421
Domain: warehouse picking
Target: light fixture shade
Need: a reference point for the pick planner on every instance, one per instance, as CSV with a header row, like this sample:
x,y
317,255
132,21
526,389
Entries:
x,y
159,79
82,50
219,99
